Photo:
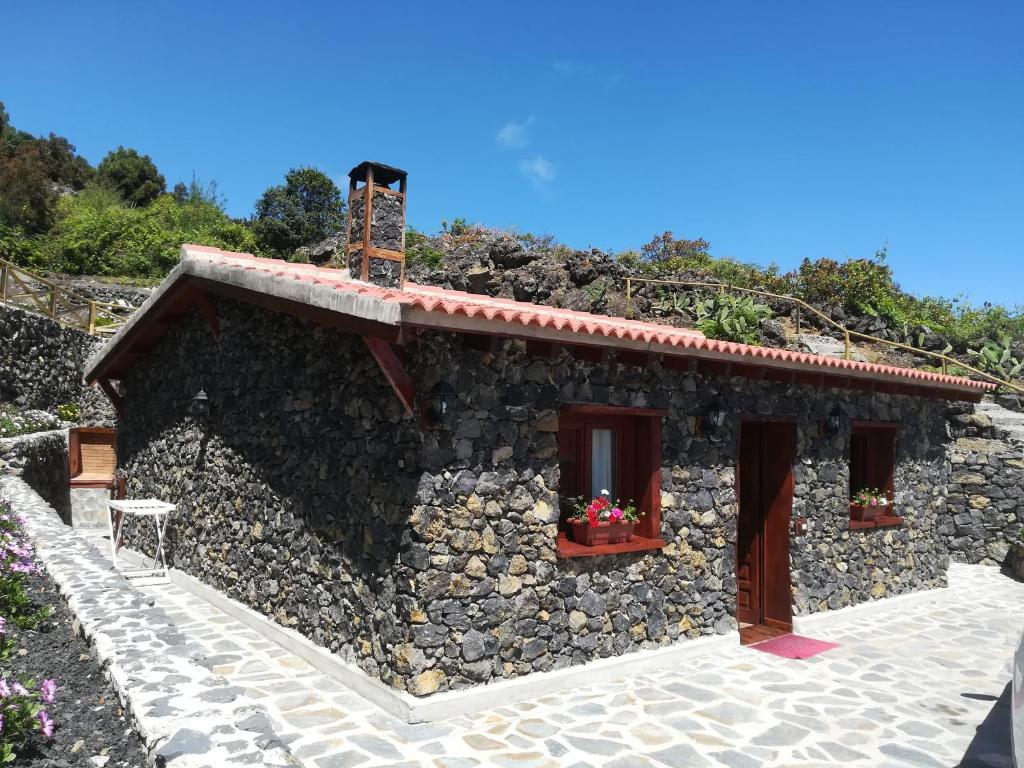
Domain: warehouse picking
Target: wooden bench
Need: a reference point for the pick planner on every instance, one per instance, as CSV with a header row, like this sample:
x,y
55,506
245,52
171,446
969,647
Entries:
x,y
92,457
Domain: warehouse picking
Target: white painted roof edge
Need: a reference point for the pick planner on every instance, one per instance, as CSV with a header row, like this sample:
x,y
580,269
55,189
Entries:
x,y
213,268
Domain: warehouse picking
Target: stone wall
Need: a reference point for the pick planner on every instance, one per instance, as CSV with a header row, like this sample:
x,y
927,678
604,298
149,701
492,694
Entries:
x,y
1014,562
41,460
41,366
428,555
985,511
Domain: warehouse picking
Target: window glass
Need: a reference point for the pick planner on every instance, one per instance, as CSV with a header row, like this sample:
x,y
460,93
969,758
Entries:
x,y
602,473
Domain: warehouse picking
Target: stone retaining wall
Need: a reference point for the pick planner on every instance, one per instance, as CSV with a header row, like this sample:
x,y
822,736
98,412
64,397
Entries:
x,y
428,555
41,460
985,510
41,366
1014,562
187,716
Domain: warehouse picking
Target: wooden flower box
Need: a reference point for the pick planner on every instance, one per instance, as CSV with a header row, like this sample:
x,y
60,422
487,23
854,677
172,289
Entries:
x,y
868,514
602,533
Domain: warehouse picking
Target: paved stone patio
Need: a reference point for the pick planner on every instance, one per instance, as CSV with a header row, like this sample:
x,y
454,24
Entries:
x,y
907,686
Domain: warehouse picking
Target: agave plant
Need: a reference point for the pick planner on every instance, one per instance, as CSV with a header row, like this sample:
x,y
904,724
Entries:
x,y
995,356
671,303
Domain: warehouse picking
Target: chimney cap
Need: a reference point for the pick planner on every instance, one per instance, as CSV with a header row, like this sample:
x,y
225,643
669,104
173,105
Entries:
x,y
382,174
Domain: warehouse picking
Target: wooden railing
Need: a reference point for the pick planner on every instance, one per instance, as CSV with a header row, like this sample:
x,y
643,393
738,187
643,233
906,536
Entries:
x,y
27,290
944,360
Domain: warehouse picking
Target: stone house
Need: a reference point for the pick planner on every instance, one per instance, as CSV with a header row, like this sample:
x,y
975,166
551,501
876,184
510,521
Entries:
x,y
385,466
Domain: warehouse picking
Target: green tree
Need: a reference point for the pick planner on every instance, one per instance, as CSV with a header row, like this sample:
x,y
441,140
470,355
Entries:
x,y
64,164
306,209
665,247
133,176
33,171
26,192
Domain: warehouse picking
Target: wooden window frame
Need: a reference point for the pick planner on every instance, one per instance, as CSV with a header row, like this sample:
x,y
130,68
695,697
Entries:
x,y
637,469
873,465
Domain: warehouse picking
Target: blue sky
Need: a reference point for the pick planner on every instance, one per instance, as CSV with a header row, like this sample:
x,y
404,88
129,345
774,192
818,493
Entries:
x,y
774,130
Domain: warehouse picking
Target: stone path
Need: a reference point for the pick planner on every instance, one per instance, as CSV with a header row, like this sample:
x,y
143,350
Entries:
x,y
186,716
908,686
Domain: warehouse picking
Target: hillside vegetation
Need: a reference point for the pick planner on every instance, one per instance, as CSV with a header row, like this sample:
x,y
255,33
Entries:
x,y
59,213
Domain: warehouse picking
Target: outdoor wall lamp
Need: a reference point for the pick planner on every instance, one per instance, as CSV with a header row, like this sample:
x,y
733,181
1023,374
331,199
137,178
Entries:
x,y
200,405
716,416
835,420
442,398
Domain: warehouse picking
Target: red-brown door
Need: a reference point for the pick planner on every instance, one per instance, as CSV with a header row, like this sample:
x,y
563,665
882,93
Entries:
x,y
765,491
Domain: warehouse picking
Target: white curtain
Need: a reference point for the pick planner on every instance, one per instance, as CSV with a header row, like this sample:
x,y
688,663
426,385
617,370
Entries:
x,y
602,462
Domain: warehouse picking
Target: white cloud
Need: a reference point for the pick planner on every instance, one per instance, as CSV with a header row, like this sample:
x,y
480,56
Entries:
x,y
538,170
513,134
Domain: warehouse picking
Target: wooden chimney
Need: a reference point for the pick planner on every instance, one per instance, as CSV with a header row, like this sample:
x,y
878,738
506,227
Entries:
x,y
375,246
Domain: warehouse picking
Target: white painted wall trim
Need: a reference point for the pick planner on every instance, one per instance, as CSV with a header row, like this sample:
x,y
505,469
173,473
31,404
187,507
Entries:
x,y
818,622
451,703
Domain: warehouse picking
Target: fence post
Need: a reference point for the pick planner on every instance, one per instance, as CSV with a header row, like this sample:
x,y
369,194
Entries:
x,y
797,319
3,282
53,303
846,344
92,318
629,297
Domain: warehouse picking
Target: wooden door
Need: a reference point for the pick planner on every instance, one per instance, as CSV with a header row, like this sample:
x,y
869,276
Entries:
x,y
765,495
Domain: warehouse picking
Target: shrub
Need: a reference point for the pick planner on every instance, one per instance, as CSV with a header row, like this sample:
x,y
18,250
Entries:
x,y
22,713
16,560
14,422
860,286
96,234
22,703
69,412
731,318
418,250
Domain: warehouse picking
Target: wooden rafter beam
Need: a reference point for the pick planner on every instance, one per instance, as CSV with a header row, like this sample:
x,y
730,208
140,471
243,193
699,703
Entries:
x,y
393,371
202,302
115,397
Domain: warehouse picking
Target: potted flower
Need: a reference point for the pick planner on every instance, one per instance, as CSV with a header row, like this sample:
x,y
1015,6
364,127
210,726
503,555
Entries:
x,y
600,521
869,504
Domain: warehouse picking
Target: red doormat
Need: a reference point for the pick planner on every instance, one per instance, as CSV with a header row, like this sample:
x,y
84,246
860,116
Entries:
x,y
793,646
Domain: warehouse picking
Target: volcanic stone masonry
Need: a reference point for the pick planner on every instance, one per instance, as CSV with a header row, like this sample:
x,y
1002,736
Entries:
x,y
427,555
985,509
386,231
41,366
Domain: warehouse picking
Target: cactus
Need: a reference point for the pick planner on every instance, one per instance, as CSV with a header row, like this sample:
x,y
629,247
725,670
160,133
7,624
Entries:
x,y
995,356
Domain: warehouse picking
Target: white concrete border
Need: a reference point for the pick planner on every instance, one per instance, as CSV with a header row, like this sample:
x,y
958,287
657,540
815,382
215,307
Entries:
x,y
451,703
818,622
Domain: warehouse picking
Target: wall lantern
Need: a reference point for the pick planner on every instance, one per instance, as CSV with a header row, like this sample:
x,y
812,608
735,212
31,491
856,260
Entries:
x,y
442,398
835,420
716,415
201,405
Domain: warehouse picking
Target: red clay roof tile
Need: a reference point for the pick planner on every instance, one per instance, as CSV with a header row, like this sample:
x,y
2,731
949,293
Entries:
x,y
454,303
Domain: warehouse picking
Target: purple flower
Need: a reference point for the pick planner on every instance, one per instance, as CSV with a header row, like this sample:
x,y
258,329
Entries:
x,y
45,724
3,626
20,689
49,690
5,689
